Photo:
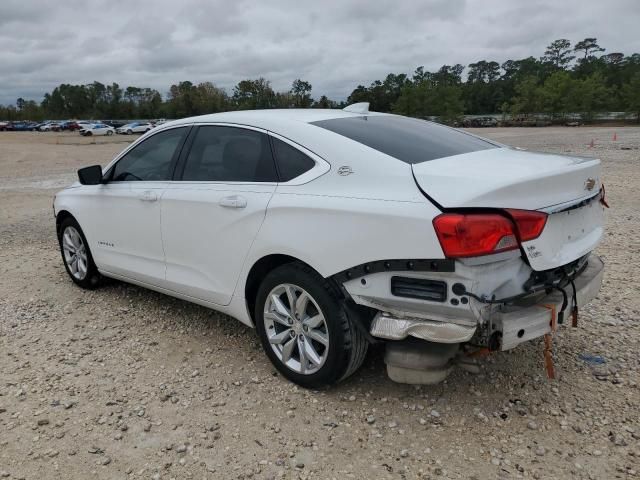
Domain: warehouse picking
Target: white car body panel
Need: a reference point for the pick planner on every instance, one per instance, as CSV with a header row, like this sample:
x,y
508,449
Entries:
x,y
135,251
141,128
567,236
507,178
206,262
357,205
97,129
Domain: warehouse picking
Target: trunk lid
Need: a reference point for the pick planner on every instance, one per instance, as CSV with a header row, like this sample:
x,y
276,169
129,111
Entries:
x,y
507,178
565,187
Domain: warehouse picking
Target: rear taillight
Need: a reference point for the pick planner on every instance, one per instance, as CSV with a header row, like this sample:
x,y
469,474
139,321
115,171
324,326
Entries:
x,y
529,223
476,234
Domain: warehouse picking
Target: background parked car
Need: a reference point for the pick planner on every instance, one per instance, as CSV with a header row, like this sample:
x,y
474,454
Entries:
x,y
50,127
115,123
77,125
23,126
97,129
136,127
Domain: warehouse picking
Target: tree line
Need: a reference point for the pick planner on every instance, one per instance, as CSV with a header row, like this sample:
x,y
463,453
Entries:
x,y
99,101
577,79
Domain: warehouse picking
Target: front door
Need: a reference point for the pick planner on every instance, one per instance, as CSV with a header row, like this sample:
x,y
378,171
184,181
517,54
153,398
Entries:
x,y
126,237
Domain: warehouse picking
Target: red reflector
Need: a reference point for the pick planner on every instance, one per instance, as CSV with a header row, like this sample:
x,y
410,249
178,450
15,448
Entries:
x,y
472,235
530,223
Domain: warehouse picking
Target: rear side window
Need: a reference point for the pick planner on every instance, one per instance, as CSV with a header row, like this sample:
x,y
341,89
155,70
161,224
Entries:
x,y
407,139
150,160
229,154
291,162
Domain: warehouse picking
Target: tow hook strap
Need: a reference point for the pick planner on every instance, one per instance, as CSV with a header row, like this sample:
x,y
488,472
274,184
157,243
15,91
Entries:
x,y
548,343
574,310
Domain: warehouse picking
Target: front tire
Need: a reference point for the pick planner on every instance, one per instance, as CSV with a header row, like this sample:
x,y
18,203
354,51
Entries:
x,y
304,327
76,255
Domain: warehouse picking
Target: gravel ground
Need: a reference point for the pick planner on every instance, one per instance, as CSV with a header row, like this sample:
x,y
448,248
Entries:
x,y
126,383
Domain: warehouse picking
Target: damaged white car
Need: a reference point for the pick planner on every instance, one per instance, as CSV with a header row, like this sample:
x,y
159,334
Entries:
x,y
328,230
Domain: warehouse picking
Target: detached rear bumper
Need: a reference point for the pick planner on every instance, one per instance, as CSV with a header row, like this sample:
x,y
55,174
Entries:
x,y
520,324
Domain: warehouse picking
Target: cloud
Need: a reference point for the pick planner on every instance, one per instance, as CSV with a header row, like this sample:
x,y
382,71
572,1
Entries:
x,y
334,44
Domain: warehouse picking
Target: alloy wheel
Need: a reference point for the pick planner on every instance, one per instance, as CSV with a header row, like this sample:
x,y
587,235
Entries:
x,y
75,253
296,328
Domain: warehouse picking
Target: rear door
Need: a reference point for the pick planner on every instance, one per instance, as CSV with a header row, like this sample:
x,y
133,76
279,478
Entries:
x,y
212,212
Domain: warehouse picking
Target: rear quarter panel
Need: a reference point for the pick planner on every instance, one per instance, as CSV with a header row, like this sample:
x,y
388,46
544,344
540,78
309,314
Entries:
x,y
333,233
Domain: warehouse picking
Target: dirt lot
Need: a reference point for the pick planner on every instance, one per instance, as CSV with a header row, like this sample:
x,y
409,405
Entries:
x,y
126,383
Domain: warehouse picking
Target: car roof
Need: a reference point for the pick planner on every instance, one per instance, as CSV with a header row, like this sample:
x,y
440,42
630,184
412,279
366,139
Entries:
x,y
266,118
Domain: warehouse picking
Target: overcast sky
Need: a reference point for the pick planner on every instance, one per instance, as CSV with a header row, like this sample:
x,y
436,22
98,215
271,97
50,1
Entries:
x,y
335,45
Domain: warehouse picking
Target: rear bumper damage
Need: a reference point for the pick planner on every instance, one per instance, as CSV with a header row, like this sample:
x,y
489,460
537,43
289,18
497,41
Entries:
x,y
460,318
461,314
521,324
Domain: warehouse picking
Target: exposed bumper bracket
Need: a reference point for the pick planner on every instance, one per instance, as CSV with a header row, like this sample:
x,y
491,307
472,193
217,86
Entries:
x,y
392,328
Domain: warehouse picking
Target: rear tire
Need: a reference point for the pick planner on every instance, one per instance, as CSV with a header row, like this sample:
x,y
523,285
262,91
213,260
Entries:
x,y
76,255
315,343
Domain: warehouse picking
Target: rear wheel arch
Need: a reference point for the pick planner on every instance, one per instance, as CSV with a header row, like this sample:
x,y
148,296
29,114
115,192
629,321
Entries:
x,y
257,273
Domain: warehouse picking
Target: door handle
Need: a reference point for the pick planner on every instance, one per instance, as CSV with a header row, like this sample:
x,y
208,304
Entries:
x,y
233,201
148,196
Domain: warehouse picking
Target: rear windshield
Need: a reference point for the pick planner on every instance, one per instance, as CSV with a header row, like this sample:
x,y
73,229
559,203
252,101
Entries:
x,y
407,139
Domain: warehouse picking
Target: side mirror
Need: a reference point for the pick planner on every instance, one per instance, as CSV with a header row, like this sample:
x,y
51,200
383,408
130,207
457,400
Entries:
x,y
90,175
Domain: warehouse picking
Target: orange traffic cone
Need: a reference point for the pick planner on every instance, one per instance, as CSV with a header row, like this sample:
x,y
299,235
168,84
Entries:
x,y
615,136
592,144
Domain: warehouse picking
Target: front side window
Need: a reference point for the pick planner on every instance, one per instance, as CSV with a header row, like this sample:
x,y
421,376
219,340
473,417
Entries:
x,y
150,160
229,154
291,162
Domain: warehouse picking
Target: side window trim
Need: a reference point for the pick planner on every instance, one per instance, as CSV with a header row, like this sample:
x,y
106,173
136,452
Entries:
x,y
186,150
184,153
174,160
321,167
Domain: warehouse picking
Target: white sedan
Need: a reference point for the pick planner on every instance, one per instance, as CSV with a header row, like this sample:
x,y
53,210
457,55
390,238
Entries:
x,y
136,127
50,127
329,230
96,129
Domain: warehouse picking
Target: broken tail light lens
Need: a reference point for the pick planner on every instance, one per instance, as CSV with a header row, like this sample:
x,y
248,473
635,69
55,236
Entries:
x,y
529,223
475,234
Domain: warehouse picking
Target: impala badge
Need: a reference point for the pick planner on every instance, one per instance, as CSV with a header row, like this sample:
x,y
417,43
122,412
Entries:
x,y
345,170
589,184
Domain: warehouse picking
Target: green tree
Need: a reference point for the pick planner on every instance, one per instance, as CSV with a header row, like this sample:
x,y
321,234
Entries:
x,y
324,102
631,96
254,94
588,96
528,98
558,53
428,98
554,93
301,93
588,47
